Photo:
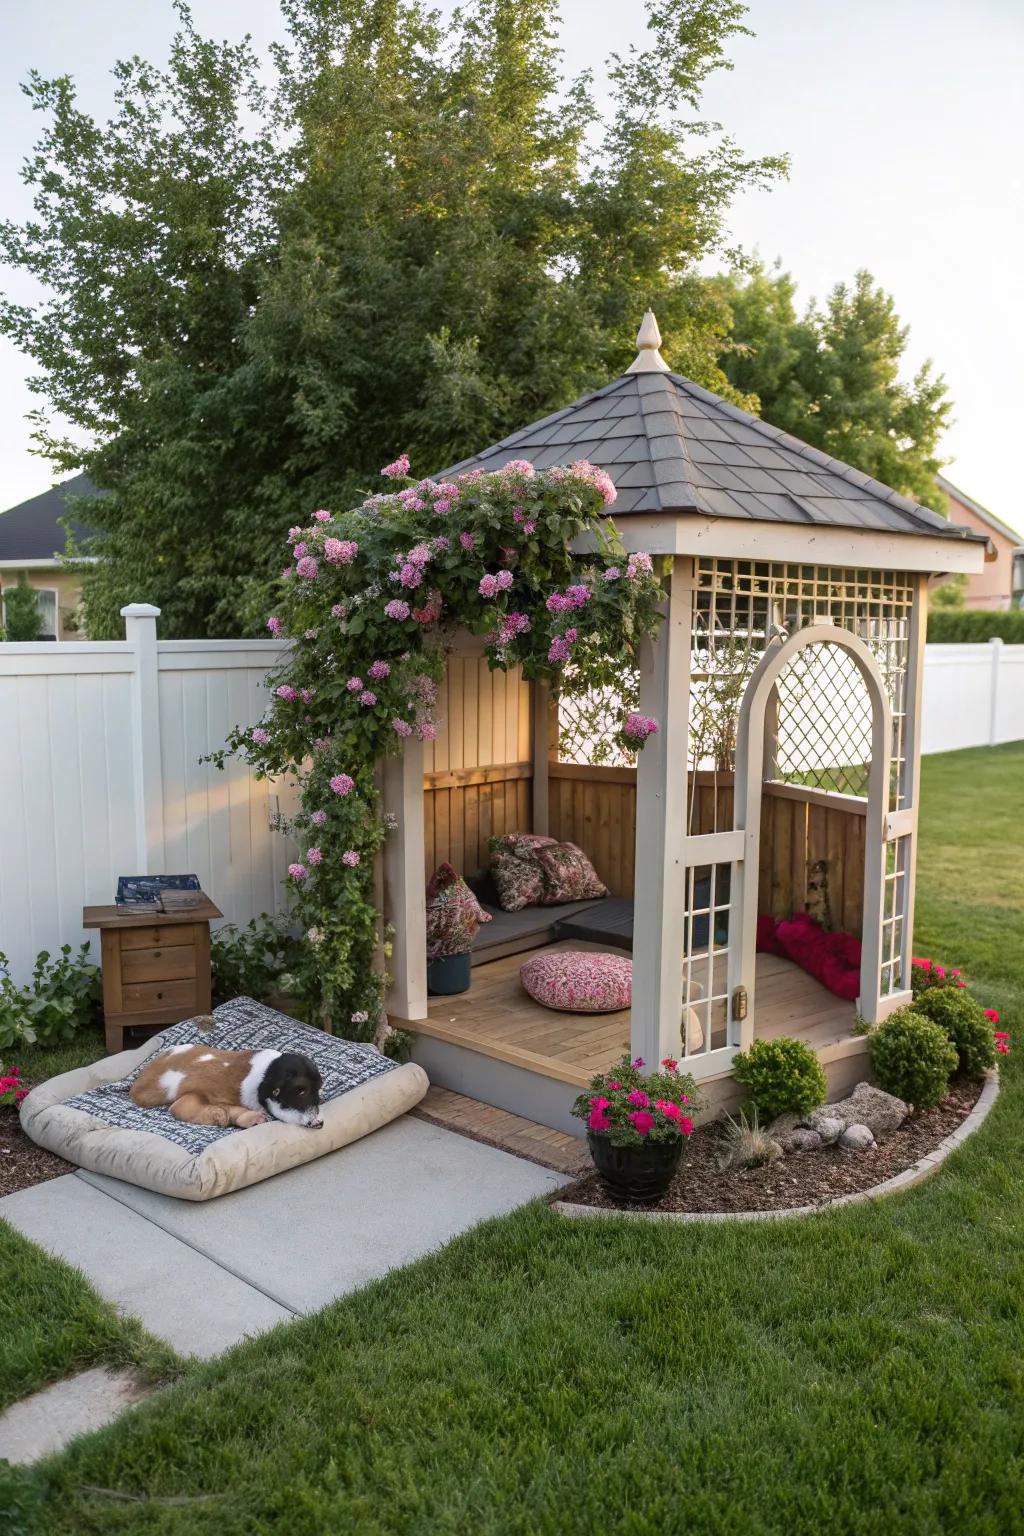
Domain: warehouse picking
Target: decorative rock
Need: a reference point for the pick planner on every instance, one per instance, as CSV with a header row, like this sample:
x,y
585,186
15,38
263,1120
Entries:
x,y
880,1112
827,1127
802,1139
856,1138
782,1125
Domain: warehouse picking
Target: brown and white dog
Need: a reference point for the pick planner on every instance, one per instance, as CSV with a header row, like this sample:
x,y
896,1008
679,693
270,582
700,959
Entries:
x,y
243,1088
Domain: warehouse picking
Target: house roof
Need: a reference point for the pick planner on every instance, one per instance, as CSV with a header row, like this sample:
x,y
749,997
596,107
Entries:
x,y
31,531
985,515
671,446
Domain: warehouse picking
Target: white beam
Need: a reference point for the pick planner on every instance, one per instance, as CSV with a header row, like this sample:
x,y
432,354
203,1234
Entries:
x,y
690,533
147,766
661,842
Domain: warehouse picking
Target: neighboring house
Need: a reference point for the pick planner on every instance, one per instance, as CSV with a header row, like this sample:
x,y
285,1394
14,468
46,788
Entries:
x,y
32,539
1001,583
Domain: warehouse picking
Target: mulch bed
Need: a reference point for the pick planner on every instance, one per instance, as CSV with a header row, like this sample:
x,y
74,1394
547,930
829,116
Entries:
x,y
21,1162
801,1178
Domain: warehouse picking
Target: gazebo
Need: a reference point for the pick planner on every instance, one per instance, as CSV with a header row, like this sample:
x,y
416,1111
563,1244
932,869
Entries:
x,y
784,778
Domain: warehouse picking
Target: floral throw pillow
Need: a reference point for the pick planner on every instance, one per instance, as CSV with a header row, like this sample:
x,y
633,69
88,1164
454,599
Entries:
x,y
453,914
519,882
568,875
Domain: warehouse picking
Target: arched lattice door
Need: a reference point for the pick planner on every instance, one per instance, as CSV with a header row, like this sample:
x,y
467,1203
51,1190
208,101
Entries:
x,y
816,714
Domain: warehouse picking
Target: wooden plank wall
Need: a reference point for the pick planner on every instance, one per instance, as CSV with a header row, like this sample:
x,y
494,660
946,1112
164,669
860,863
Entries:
x,y
478,773
596,808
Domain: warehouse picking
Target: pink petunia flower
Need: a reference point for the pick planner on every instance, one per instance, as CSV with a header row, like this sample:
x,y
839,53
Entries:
x,y
643,1121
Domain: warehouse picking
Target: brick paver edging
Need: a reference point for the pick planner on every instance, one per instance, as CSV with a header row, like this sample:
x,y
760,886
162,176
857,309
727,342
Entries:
x,y
922,1169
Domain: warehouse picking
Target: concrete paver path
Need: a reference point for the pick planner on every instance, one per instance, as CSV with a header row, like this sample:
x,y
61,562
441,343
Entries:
x,y
205,1275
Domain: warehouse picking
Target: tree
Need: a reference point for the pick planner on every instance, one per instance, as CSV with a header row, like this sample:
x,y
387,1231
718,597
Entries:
x,y
833,377
418,248
22,619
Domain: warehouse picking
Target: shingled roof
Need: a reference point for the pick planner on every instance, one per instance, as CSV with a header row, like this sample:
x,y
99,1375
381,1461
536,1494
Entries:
x,y
671,446
33,530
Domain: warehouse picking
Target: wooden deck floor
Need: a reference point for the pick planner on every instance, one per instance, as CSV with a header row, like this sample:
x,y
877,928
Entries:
x,y
497,1018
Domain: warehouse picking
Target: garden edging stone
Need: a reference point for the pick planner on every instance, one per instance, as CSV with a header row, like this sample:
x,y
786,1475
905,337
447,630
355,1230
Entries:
x,y
915,1174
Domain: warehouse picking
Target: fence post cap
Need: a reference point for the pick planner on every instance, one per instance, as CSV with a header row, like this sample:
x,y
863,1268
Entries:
x,y
140,611
995,640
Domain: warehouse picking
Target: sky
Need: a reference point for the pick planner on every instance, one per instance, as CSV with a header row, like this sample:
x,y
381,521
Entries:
x,y
903,120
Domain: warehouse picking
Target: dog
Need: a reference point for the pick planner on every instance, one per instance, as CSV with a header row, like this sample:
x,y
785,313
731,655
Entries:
x,y
240,1088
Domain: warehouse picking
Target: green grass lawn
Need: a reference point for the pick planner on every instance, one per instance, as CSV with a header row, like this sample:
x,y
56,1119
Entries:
x,y
858,1372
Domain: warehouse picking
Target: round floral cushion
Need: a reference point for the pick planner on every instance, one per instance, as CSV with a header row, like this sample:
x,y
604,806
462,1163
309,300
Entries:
x,y
579,981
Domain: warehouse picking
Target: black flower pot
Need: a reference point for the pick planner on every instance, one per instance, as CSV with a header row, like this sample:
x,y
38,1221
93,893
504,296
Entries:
x,y
448,975
637,1175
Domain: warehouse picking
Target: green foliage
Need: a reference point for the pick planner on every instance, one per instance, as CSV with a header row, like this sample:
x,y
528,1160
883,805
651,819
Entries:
x,y
416,232
963,1020
250,961
832,376
62,997
912,1057
949,593
370,603
22,619
969,626
782,1076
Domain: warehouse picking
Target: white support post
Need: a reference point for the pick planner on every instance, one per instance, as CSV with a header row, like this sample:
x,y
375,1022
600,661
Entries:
x,y
542,749
405,906
912,723
147,768
659,924
996,661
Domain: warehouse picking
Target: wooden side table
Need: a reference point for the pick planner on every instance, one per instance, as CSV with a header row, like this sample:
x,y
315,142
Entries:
x,y
156,967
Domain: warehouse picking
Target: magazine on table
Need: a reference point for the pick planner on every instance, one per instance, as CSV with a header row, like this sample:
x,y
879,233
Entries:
x,y
139,894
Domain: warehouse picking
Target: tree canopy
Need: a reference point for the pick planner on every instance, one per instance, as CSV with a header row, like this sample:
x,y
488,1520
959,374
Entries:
x,y
834,376
22,619
417,237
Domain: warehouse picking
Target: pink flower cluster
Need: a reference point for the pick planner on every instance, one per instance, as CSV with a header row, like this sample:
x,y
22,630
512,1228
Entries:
x,y
11,1089
259,736
287,693
397,609
319,818
638,727
343,784
322,516
274,625
339,551
298,871
398,468
378,670
490,585
639,564
598,478
307,568
350,857
313,856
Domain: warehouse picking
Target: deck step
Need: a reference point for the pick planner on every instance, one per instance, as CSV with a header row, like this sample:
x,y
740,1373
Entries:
x,y
500,1128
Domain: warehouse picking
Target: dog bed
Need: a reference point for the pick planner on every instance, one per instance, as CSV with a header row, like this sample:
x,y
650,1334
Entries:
x,y
87,1117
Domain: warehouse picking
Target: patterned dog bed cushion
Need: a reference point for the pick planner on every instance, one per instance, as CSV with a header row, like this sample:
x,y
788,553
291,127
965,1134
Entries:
x,y
87,1117
579,981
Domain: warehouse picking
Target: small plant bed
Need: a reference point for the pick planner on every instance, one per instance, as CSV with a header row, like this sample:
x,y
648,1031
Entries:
x,y
22,1163
817,1177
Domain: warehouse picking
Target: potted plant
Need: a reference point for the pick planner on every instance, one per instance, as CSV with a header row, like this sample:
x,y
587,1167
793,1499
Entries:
x,y
454,917
637,1127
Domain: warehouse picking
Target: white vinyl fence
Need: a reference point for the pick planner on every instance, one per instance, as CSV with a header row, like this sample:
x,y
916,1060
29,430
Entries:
x,y
100,776
100,772
973,695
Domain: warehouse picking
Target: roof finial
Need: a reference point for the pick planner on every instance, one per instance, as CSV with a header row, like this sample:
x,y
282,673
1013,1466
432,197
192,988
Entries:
x,y
648,340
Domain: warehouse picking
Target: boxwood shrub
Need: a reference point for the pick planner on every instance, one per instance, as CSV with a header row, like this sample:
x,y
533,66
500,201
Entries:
x,y
912,1057
963,1021
782,1076
967,626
